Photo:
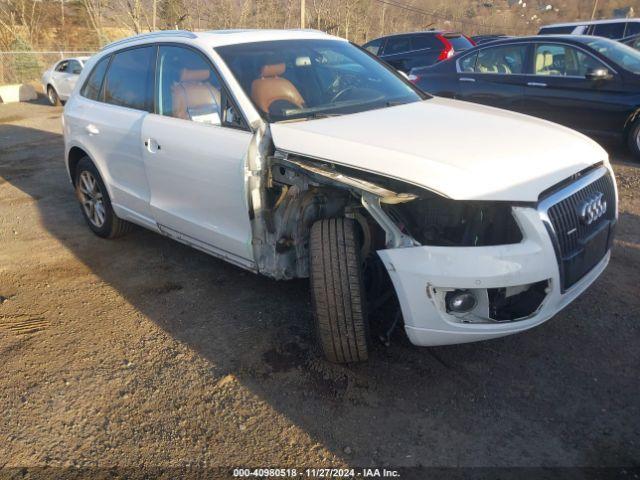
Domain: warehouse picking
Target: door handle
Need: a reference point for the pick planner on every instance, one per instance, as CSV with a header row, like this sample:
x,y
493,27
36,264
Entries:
x,y
467,79
92,129
152,145
537,84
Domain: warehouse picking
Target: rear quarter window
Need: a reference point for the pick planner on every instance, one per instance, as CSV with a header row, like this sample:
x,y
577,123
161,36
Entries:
x,y
459,42
633,28
609,30
91,88
556,30
422,42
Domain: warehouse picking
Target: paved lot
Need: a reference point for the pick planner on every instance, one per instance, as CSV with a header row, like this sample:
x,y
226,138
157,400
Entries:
x,y
141,351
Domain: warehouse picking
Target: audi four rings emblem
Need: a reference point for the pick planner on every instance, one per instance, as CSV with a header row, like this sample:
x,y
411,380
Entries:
x,y
592,208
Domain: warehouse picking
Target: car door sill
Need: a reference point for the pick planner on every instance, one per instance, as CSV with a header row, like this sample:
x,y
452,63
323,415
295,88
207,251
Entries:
x,y
208,248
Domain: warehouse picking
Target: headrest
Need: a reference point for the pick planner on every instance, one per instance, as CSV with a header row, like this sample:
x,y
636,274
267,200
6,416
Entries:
x,y
194,75
274,70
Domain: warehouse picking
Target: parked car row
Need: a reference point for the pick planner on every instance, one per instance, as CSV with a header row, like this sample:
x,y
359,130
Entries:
x,y
60,79
591,84
576,74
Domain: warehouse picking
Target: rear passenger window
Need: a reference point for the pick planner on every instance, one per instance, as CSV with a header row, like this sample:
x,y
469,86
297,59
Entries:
x,y
91,88
468,63
188,88
397,45
130,79
508,59
609,30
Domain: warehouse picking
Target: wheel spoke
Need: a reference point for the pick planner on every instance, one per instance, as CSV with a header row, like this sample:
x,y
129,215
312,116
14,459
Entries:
x,y
100,213
85,184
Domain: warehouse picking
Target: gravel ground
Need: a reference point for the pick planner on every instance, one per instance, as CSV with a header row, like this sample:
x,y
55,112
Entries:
x,y
141,351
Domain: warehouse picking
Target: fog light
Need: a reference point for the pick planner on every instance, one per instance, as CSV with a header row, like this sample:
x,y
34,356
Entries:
x,y
460,301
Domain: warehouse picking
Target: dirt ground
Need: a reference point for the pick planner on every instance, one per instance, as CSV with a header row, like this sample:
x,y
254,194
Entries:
x,y
144,352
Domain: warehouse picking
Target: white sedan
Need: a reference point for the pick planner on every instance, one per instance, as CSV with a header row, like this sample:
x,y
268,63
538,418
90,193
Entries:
x,y
60,80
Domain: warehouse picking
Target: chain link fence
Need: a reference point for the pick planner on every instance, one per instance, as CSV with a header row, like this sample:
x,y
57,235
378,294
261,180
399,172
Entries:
x,y
28,66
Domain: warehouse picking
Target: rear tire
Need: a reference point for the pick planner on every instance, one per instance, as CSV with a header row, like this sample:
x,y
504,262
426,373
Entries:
x,y
53,97
337,290
95,203
633,140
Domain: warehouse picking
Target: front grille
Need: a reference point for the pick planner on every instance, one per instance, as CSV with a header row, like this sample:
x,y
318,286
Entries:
x,y
580,246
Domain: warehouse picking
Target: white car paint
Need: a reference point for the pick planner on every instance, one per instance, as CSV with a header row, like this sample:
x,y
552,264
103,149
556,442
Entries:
x,y
459,149
63,75
199,187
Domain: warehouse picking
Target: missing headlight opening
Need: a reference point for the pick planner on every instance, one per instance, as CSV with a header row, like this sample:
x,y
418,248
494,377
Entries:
x,y
440,221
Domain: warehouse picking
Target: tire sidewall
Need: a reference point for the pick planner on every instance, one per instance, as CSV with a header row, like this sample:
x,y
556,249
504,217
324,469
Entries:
x,y
85,164
632,140
52,96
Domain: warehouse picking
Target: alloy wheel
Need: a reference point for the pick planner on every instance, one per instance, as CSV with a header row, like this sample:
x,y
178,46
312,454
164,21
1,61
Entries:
x,y
92,199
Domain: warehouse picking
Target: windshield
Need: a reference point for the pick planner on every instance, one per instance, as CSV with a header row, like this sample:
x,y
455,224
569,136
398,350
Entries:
x,y
625,56
293,79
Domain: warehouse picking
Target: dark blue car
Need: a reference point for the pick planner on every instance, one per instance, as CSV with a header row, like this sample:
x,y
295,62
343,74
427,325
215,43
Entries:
x,y
591,84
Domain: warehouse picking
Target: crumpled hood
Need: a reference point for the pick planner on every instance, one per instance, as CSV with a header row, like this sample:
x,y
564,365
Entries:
x,y
458,149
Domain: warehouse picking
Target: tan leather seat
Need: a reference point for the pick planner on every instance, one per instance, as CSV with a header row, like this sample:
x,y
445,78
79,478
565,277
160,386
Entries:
x,y
195,98
271,87
544,62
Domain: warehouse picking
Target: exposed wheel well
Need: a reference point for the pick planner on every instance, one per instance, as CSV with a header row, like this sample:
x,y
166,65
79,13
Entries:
x,y
75,155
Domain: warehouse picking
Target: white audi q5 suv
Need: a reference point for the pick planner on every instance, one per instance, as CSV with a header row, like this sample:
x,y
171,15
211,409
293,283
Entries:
x,y
296,154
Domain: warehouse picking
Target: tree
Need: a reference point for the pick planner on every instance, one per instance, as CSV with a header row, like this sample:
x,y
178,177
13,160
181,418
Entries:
x,y
173,14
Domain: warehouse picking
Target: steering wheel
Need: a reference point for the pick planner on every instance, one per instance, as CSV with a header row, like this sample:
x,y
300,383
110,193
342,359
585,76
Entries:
x,y
341,93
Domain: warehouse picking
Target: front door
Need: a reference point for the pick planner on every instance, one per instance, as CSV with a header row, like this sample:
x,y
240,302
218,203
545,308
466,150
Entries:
x,y
560,91
194,155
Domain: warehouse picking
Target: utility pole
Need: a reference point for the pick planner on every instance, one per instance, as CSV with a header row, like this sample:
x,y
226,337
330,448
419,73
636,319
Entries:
x,y
302,14
154,15
63,33
595,7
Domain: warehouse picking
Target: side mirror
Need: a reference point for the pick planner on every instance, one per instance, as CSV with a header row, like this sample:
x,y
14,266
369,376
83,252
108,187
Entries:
x,y
598,74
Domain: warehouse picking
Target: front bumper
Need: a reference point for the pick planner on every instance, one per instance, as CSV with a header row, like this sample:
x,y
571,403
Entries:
x,y
422,274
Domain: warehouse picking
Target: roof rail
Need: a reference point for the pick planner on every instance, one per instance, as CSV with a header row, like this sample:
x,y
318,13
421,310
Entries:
x,y
159,33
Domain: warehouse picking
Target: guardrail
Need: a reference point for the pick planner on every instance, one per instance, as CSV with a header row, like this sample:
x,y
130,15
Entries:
x,y
28,66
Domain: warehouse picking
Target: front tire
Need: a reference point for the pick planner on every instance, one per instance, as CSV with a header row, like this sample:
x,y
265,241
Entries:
x,y
633,140
95,203
53,97
337,290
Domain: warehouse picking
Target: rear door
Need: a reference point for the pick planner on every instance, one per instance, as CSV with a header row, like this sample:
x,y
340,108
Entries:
x,y
495,76
560,91
127,98
195,147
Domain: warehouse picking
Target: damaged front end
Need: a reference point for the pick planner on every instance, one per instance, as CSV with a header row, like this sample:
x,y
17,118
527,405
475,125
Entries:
x,y
432,247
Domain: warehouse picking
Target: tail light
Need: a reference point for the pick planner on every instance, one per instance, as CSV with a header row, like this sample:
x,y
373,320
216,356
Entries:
x,y
447,51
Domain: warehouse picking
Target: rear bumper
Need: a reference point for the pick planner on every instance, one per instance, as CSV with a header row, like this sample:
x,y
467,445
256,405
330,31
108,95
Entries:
x,y
422,275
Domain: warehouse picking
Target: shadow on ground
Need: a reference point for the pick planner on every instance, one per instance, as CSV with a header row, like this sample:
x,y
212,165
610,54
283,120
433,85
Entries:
x,y
562,394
